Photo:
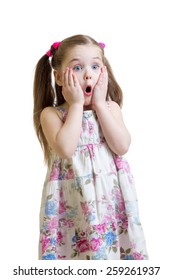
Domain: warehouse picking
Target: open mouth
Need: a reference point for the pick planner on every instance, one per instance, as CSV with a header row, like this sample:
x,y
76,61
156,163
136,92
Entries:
x,y
88,91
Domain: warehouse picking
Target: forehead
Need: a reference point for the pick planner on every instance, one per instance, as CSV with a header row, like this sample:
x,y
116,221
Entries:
x,y
83,52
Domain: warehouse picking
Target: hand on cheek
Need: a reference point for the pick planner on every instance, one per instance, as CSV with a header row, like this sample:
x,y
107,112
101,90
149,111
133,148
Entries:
x,y
71,88
100,89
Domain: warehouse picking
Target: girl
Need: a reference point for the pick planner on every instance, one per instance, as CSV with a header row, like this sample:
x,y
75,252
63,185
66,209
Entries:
x,y
89,206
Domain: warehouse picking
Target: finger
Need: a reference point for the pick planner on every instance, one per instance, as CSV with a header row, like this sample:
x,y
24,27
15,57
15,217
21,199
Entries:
x,y
63,80
75,80
100,78
70,78
106,74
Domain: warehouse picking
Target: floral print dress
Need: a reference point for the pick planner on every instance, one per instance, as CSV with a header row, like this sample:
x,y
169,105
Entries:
x,y
89,206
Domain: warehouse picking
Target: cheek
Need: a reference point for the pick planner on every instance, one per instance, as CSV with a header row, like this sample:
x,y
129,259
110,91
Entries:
x,y
79,77
78,74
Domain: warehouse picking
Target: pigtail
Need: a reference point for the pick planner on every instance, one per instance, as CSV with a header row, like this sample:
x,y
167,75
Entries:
x,y
114,91
43,96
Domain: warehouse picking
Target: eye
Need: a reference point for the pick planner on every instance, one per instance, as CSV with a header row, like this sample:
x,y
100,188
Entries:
x,y
95,66
77,67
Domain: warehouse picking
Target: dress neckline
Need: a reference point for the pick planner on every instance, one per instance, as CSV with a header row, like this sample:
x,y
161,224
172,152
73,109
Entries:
x,y
66,110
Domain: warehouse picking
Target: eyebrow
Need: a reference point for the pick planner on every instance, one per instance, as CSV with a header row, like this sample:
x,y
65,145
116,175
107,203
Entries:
x,y
78,59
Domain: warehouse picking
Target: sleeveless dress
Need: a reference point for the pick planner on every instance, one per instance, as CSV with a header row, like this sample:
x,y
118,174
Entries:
x,y
89,207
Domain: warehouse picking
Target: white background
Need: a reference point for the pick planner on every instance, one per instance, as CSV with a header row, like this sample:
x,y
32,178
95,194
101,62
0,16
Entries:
x,y
138,37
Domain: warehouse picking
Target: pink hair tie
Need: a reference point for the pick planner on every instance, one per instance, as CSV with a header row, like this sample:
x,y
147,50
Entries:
x,y
49,53
55,46
102,45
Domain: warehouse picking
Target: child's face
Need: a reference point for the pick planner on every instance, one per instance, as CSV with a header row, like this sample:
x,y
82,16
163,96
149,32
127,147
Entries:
x,y
86,62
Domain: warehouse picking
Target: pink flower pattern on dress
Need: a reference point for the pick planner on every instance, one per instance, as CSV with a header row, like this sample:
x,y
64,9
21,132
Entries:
x,y
101,228
85,214
122,164
95,244
82,245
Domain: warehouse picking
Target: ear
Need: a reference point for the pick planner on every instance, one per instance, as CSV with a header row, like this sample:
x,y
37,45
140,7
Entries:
x,y
57,76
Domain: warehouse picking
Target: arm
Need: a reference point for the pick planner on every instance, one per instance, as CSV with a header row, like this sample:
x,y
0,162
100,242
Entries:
x,y
63,137
113,127
110,119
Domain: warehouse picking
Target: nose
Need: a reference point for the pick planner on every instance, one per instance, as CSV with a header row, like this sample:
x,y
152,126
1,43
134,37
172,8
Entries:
x,y
87,75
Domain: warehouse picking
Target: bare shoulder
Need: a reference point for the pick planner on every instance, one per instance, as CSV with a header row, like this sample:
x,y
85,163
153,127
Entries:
x,y
49,113
51,123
